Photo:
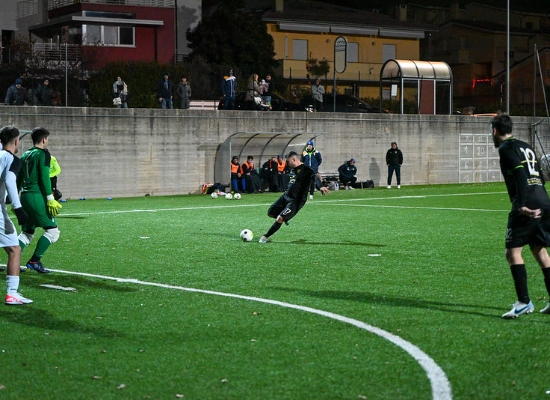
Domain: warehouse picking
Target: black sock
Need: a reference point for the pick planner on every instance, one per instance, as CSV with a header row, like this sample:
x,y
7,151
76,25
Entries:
x,y
546,273
274,228
520,280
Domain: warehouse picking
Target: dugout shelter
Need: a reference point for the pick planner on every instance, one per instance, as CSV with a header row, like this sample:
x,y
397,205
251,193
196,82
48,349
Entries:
x,y
261,145
428,86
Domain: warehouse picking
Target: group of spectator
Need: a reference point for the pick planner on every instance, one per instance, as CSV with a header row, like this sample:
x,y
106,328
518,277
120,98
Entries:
x,y
258,93
165,92
43,95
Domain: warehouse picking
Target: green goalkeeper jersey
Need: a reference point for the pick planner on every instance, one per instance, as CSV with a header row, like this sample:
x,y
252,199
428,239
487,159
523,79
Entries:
x,y
34,175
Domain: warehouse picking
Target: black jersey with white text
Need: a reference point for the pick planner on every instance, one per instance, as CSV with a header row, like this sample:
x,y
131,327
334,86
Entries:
x,y
523,175
300,179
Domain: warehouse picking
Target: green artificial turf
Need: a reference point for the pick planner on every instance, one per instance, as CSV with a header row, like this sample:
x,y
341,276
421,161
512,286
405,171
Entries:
x,y
425,263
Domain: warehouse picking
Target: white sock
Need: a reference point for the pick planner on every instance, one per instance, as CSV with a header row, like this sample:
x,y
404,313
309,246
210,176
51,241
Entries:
x,y
12,283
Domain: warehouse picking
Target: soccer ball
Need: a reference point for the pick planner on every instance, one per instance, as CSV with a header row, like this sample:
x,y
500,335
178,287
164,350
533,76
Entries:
x,y
214,195
228,196
247,235
237,196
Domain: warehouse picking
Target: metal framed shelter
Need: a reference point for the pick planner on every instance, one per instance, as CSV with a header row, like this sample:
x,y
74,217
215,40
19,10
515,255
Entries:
x,y
261,145
429,83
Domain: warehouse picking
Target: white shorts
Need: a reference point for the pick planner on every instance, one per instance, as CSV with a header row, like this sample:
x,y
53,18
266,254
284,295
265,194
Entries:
x,y
8,234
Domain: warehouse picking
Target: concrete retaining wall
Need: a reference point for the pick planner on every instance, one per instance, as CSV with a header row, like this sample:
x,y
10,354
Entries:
x,y
130,152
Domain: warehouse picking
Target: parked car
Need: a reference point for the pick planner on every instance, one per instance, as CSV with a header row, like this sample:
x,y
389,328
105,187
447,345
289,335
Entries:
x,y
344,103
277,103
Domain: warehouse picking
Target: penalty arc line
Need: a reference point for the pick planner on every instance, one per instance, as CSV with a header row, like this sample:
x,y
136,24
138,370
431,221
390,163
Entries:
x,y
440,385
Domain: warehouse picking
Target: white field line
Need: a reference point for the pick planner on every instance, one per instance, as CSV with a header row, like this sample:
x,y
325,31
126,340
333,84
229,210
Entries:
x,y
421,208
313,202
441,388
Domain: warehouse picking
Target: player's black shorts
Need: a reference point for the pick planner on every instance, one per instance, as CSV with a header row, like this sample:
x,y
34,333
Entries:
x,y
522,230
285,208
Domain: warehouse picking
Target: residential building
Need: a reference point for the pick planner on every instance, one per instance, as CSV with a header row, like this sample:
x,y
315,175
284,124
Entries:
x,y
472,38
304,30
105,30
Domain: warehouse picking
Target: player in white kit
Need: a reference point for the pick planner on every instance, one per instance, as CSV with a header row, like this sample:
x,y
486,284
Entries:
x,y
9,168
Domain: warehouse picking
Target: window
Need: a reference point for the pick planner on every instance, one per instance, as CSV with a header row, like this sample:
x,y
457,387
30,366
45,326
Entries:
x,y
26,8
299,49
353,52
108,35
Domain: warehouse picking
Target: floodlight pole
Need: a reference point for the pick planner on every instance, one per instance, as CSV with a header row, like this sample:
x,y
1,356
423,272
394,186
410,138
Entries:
x,y
508,57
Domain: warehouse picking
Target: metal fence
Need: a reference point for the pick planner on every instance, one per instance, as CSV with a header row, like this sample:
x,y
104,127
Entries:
x,y
54,4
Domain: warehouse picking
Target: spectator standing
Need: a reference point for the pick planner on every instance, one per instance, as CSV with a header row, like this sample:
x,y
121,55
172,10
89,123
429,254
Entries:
x,y
529,219
44,94
347,172
165,92
317,92
120,91
394,159
184,92
252,93
312,158
268,90
282,171
229,90
251,176
17,94
236,175
10,164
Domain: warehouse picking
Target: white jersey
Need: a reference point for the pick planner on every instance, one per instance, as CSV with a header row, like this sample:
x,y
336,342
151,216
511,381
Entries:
x,y
9,167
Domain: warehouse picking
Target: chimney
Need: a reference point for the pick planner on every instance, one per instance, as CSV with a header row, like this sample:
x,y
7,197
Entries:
x,y
279,6
402,13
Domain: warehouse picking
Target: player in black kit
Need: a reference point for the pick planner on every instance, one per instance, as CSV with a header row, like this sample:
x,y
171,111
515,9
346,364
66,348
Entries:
x,y
294,198
529,220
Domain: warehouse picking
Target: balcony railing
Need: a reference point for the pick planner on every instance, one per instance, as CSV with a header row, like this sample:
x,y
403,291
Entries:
x,y
58,52
44,53
55,4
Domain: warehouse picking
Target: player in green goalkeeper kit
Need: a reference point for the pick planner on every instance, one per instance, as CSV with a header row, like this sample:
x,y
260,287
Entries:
x,y
37,199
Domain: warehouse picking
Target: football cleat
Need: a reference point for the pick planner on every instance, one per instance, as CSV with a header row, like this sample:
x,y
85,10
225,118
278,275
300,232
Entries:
x,y
17,298
311,197
38,267
389,186
263,239
518,309
2,269
546,310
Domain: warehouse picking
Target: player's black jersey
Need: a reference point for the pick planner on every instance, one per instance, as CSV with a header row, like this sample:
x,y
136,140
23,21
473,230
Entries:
x,y
300,179
522,174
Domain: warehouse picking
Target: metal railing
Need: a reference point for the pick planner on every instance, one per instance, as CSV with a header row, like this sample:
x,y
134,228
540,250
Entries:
x,y
55,4
43,53
58,52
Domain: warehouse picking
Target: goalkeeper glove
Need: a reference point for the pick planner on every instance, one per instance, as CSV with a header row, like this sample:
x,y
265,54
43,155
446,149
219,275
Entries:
x,y
53,207
21,215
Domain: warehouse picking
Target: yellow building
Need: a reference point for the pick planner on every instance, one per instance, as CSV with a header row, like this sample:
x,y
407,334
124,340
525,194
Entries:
x,y
305,30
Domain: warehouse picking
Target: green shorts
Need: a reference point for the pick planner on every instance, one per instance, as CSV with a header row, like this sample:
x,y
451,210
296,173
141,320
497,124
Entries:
x,y
34,205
